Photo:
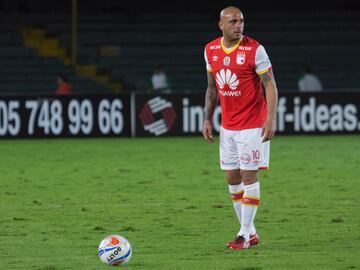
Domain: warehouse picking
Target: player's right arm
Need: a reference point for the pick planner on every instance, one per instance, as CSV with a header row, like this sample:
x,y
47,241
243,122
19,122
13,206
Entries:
x,y
211,99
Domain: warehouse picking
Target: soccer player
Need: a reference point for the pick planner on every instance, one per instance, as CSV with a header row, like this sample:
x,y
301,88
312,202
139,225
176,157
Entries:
x,y
237,70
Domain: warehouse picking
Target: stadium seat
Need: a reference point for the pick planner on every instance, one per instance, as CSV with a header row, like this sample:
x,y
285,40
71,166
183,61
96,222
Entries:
x,y
176,40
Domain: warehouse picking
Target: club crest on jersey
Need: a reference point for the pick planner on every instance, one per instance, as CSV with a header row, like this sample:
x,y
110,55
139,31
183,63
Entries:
x,y
240,58
226,61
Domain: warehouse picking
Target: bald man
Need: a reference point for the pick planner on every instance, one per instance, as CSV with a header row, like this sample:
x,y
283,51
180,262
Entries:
x,y
237,70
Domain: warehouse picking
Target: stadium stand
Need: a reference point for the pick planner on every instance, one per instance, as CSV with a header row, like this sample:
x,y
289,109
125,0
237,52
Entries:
x,y
23,72
176,40
321,41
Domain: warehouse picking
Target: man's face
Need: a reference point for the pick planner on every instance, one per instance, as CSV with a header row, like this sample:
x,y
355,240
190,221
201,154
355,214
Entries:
x,y
232,25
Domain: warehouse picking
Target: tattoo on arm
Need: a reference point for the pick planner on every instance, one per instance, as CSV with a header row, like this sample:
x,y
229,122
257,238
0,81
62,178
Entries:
x,y
211,97
268,81
267,77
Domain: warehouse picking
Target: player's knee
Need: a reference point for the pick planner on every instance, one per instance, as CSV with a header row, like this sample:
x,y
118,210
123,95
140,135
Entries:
x,y
233,177
249,177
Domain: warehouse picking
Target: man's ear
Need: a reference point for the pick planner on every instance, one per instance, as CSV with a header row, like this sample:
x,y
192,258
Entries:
x,y
220,25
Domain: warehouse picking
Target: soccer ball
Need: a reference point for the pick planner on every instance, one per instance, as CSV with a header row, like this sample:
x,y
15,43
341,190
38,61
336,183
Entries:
x,y
114,250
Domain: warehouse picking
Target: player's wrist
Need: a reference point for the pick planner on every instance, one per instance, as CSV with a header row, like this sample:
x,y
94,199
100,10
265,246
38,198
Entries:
x,y
271,118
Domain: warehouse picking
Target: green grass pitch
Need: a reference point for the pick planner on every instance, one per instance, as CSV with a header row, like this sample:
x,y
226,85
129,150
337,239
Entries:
x,y
59,198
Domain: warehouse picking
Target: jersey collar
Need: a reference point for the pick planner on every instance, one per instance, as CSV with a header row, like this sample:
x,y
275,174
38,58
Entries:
x,y
230,50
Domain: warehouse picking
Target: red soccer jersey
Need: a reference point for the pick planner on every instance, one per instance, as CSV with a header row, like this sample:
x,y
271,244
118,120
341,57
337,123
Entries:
x,y
236,73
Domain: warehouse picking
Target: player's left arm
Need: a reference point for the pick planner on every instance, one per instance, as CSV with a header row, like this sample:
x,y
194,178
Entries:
x,y
269,128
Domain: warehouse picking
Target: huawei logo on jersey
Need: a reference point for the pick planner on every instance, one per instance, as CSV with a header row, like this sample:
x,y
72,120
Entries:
x,y
226,78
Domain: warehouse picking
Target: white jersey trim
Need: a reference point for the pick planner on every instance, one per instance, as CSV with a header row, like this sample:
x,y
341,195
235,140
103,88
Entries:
x,y
208,67
262,61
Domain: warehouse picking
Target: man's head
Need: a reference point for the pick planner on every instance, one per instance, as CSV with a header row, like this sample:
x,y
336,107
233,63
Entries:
x,y
158,69
231,23
61,79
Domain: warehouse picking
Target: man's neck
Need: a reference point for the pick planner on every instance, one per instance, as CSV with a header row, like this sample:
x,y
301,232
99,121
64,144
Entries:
x,y
230,43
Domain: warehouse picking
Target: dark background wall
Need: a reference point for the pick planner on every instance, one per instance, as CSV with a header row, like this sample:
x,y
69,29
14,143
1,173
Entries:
x,y
113,6
323,34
